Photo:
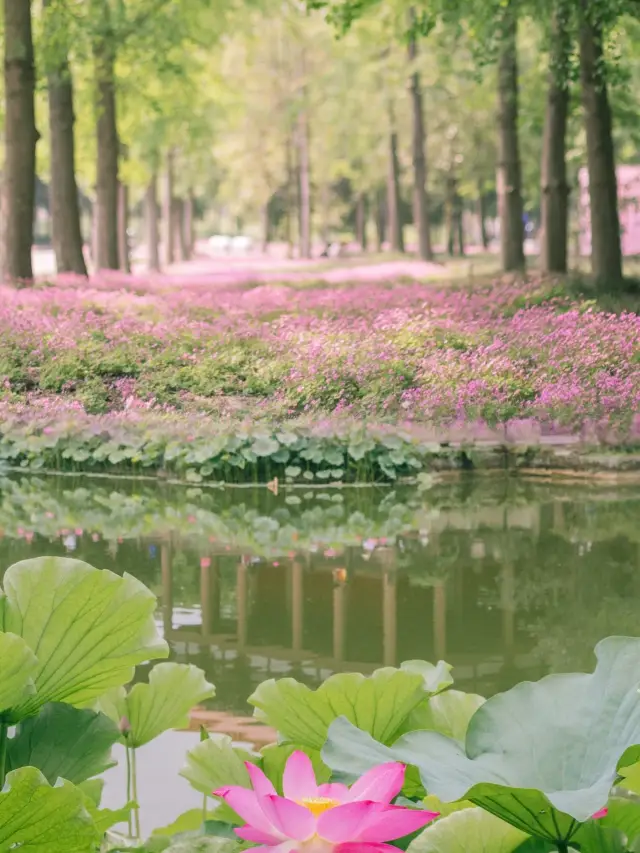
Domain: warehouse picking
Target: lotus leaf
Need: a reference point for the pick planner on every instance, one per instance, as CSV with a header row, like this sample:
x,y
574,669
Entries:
x,y
164,703
87,627
469,831
542,756
64,742
378,704
38,818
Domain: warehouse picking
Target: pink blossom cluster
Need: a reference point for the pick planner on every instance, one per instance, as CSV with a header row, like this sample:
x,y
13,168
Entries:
x,y
411,352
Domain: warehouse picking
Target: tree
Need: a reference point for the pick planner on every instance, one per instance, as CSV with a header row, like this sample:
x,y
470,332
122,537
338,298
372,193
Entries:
x,y
21,137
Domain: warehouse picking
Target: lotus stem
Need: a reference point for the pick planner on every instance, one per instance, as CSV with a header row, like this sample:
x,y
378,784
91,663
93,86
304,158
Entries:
x,y
3,752
129,824
134,791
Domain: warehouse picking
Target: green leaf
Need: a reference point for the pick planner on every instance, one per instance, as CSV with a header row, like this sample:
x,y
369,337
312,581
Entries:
x,y
214,763
524,757
164,703
595,837
468,831
274,758
105,819
87,627
64,742
36,818
92,789
293,471
378,704
208,844
190,821
437,677
433,804
448,713
265,446
18,665
623,815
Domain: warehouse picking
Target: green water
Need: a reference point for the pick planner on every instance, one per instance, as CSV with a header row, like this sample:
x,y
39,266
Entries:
x,y
506,579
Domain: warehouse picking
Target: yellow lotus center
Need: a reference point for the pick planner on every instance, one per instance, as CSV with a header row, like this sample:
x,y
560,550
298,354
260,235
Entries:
x,y
318,805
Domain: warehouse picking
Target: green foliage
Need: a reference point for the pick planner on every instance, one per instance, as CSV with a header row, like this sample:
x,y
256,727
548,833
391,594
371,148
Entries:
x,y
378,704
88,628
64,742
36,818
469,831
509,763
161,704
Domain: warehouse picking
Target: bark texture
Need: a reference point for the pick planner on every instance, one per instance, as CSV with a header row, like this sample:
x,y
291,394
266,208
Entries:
x,y
394,223
21,137
305,186
555,188
606,250
510,207
124,255
152,222
167,211
420,195
106,207
63,189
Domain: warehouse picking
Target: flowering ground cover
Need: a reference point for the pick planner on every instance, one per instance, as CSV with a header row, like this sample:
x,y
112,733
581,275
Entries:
x,y
202,358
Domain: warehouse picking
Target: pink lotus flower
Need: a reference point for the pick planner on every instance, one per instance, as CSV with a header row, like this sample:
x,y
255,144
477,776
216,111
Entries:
x,y
601,813
313,818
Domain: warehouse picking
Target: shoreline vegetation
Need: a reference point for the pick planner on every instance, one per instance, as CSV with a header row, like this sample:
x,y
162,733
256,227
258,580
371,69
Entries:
x,y
331,384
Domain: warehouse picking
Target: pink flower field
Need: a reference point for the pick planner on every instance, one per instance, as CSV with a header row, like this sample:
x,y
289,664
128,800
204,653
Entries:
x,y
387,351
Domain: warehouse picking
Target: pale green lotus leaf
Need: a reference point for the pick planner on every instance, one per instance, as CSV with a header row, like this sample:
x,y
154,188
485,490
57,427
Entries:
x,y
448,713
64,742
88,628
18,665
163,703
542,756
468,831
274,759
214,763
38,818
378,704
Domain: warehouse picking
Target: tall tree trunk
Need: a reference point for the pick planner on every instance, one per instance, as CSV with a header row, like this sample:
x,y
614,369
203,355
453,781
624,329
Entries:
x,y
450,214
509,167
21,137
167,211
555,189
606,250
178,224
188,225
420,195
266,228
394,223
361,221
153,231
290,195
482,214
460,224
305,186
381,217
106,209
124,254
63,189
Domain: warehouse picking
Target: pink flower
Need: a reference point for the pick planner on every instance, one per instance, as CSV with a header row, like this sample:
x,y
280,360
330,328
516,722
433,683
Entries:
x,y
313,818
601,813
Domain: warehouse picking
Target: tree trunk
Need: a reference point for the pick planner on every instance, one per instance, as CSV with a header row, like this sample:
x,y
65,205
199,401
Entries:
x,y
21,137
381,218
63,189
153,231
305,187
107,163
266,228
178,224
167,211
482,215
449,214
394,223
420,195
124,254
606,250
509,167
361,221
188,225
555,189
460,225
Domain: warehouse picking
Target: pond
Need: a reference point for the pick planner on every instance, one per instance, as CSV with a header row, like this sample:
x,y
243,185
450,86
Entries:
x,y
506,579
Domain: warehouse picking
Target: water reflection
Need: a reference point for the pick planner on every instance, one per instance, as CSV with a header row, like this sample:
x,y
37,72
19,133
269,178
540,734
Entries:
x,y
503,578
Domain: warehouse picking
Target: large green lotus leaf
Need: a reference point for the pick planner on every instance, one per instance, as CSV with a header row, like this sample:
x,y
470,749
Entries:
x,y
448,713
64,742
88,628
542,756
437,677
378,704
469,831
104,819
595,837
164,703
190,821
624,815
274,759
36,818
204,845
214,763
18,665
